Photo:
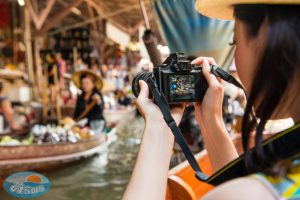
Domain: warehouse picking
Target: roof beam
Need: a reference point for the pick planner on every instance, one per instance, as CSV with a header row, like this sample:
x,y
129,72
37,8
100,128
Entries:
x,y
133,30
32,13
60,16
39,19
44,14
64,4
35,6
98,18
91,15
101,12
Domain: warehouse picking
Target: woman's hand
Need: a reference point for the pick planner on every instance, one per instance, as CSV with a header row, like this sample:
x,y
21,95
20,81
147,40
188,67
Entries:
x,y
97,98
150,111
211,106
220,148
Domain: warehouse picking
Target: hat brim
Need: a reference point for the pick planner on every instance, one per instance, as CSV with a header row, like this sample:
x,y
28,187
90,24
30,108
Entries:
x,y
223,9
76,78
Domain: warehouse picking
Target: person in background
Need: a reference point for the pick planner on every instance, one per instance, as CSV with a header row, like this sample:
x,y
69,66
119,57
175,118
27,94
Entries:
x,y
53,75
122,98
95,68
104,70
80,65
7,111
90,84
62,67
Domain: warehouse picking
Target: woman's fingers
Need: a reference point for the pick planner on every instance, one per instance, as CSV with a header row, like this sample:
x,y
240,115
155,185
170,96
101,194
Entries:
x,y
211,79
144,89
199,60
206,62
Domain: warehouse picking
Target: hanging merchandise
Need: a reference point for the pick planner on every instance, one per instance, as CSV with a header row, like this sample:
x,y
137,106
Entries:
x,y
4,14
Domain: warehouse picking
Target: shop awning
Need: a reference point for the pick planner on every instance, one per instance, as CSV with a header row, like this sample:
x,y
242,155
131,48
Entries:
x,y
185,30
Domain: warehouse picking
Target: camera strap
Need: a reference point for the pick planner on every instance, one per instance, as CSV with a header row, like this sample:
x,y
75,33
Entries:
x,y
219,72
163,105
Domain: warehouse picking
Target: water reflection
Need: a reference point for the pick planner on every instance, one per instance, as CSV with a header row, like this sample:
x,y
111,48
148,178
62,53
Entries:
x,y
101,177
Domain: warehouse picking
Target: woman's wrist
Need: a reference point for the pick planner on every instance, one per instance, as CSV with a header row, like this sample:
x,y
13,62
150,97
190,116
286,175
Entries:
x,y
212,124
159,137
157,127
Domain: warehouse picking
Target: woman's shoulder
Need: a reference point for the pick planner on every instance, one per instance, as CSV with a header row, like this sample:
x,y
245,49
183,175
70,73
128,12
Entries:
x,y
241,188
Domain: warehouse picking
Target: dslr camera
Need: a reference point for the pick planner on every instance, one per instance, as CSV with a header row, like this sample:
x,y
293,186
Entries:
x,y
178,79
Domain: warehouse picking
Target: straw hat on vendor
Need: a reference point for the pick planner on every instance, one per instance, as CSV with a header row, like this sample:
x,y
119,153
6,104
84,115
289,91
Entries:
x,y
90,103
78,75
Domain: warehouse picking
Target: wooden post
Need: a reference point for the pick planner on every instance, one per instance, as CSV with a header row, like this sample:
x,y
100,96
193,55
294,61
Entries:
x,y
14,37
39,72
28,45
58,99
45,96
75,56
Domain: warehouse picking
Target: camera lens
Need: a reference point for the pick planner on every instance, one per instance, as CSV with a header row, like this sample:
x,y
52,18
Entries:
x,y
135,82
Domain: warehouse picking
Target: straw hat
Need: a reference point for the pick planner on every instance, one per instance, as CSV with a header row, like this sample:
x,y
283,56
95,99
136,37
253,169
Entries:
x,y
222,9
76,78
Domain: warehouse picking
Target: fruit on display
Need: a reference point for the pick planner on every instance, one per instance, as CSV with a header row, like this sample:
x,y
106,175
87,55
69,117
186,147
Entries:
x,y
55,134
50,134
9,141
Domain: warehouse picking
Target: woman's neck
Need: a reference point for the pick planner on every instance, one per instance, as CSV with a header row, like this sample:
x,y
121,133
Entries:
x,y
294,98
296,115
87,94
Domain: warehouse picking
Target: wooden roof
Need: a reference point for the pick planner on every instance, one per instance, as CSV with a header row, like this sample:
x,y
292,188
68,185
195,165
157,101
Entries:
x,y
63,14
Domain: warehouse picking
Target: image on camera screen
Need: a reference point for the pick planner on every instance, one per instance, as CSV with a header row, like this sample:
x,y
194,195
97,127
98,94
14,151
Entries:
x,y
182,87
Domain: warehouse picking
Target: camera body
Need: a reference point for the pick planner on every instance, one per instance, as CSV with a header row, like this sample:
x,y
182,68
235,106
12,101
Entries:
x,y
178,79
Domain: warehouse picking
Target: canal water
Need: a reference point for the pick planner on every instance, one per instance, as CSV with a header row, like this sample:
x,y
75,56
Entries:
x,y
98,178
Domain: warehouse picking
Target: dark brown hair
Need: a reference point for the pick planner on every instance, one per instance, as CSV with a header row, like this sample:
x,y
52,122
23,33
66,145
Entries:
x,y
278,63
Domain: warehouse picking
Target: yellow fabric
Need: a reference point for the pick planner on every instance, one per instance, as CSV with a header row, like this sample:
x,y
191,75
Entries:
x,y
287,187
222,9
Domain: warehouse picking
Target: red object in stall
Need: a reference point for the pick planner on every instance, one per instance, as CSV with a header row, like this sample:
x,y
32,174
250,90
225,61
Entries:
x,y
4,14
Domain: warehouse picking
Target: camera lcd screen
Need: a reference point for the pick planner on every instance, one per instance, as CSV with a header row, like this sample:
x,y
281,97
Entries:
x,y
182,87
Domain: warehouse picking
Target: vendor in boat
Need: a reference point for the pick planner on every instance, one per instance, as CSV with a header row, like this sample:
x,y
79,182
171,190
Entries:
x,y
53,76
90,103
7,112
267,55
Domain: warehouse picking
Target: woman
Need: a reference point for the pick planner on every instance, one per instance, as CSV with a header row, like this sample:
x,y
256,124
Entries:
x,y
90,103
267,39
7,111
53,76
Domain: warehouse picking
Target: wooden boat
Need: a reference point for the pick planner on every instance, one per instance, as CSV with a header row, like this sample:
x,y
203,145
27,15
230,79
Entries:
x,y
46,157
182,183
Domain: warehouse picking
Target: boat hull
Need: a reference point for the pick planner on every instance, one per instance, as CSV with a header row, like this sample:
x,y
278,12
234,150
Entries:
x,y
182,183
47,157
